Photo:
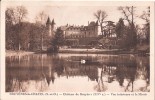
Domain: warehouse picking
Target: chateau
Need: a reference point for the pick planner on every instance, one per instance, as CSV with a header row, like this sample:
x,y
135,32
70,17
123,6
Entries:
x,y
73,31
76,35
81,35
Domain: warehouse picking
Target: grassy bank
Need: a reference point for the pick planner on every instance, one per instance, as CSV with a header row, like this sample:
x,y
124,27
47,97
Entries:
x,y
95,51
16,53
140,49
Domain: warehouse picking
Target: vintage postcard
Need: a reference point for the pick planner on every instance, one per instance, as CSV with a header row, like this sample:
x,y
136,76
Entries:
x,y
77,49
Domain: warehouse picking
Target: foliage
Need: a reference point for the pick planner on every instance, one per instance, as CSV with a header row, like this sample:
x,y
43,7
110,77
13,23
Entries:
x,y
57,41
14,18
21,35
29,37
120,28
129,15
41,21
132,36
147,32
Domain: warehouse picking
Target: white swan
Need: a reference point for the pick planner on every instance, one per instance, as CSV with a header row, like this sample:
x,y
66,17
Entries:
x,y
83,61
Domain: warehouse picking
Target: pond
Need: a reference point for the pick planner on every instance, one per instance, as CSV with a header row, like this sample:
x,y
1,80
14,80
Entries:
x,y
77,73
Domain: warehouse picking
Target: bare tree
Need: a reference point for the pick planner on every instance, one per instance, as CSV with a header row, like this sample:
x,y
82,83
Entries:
x,y
146,16
21,13
41,20
129,14
100,15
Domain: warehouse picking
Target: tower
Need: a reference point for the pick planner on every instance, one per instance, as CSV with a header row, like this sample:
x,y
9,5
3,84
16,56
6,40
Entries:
x,y
48,25
98,28
53,27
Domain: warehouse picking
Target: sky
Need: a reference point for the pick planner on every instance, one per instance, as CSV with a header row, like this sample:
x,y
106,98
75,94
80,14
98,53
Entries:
x,y
78,13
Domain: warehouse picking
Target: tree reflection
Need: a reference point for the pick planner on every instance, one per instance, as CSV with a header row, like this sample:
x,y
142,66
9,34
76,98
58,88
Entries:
x,y
100,86
143,72
58,65
120,77
127,70
131,73
40,70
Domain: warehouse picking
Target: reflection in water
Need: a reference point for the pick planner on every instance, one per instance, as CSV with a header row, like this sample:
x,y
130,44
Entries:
x,y
59,73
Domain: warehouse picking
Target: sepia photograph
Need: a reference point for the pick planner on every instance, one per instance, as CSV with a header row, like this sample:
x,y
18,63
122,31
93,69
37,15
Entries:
x,y
77,46
53,48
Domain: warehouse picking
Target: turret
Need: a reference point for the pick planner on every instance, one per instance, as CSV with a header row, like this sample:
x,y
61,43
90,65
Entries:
x,y
53,23
98,28
53,26
48,25
48,21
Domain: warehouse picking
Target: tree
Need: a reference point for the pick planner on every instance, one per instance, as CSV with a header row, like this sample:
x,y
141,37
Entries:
x,y
100,15
40,21
9,13
10,16
146,16
14,19
110,27
35,37
120,28
20,13
57,41
128,13
41,18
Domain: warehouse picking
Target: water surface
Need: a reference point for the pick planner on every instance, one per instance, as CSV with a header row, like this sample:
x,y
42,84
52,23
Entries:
x,y
77,73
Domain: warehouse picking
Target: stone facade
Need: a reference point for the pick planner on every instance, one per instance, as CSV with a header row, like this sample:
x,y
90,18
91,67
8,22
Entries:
x,y
73,31
76,35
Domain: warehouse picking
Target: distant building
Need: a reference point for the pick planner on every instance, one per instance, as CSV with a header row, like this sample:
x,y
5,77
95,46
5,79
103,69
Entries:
x,y
73,31
81,35
88,35
76,35
51,27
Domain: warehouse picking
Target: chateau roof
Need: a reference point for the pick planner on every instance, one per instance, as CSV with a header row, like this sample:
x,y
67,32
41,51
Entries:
x,y
49,21
63,28
82,27
92,23
53,22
